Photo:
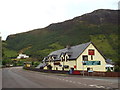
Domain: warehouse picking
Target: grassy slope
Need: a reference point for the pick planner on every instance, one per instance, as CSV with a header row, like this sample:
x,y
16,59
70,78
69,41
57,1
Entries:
x,y
10,53
104,45
39,41
6,52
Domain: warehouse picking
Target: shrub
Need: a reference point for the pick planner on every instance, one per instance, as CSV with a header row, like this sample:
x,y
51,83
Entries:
x,y
117,69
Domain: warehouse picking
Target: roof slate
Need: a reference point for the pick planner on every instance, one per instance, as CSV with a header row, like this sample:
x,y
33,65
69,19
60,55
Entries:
x,y
75,50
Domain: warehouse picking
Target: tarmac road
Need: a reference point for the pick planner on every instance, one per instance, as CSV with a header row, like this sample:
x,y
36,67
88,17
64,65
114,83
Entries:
x,y
16,77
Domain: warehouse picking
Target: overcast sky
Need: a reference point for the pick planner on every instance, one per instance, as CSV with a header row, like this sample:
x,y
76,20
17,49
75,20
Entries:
x,y
23,15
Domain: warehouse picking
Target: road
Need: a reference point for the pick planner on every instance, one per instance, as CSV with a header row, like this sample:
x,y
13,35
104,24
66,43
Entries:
x,y
16,77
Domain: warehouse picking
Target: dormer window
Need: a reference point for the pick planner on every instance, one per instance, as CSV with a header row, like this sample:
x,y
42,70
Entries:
x,y
50,58
45,59
62,56
66,57
69,54
54,57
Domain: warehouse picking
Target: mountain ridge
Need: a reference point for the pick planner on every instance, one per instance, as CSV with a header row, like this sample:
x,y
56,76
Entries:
x,y
76,18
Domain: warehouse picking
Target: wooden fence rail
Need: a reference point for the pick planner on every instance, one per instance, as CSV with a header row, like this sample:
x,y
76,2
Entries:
x,y
103,74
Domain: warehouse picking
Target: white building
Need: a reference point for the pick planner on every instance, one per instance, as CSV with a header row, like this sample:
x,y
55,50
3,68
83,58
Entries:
x,y
109,67
22,56
83,57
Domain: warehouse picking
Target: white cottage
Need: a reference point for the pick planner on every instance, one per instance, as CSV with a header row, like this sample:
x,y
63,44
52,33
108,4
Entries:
x,y
22,56
80,57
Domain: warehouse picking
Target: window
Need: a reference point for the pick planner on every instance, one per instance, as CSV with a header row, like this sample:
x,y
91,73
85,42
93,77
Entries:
x,y
62,56
112,68
66,57
54,57
91,57
66,66
88,69
57,63
85,57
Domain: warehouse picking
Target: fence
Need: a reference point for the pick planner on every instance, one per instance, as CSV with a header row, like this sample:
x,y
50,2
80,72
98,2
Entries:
x,y
103,74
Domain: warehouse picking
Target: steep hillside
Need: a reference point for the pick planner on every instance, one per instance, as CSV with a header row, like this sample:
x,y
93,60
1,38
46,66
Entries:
x,y
100,27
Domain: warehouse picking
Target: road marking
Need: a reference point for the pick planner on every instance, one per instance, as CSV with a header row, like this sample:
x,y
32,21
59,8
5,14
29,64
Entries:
x,y
70,81
66,80
108,87
101,86
97,86
74,82
60,79
79,83
91,85
85,84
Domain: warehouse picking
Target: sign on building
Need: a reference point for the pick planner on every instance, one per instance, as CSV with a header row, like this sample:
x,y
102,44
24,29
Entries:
x,y
91,63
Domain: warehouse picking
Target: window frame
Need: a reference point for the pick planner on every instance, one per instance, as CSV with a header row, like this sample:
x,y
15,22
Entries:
x,y
83,57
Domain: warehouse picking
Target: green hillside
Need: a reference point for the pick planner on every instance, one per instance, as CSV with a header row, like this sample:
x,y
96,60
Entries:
x,y
8,52
100,27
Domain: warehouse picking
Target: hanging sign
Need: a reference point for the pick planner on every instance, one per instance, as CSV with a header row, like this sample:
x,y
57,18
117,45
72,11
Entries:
x,y
91,63
91,52
75,66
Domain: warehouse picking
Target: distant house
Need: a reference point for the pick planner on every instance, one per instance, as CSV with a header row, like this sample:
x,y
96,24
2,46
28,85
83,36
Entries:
x,y
109,65
83,57
22,56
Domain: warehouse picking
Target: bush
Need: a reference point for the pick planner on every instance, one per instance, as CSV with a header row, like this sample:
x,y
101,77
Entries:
x,y
36,64
117,69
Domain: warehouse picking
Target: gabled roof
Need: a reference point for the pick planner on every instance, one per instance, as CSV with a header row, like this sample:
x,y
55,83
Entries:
x,y
109,61
41,65
75,50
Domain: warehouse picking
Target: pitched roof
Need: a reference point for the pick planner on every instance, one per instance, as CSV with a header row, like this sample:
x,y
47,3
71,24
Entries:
x,y
75,50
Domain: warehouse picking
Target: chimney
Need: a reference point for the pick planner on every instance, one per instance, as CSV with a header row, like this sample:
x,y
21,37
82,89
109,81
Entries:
x,y
68,47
